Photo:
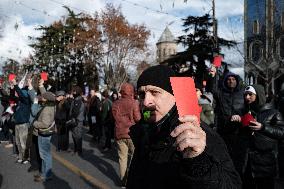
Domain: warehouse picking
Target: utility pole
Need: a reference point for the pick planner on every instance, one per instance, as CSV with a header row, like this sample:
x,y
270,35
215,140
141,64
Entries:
x,y
216,47
215,34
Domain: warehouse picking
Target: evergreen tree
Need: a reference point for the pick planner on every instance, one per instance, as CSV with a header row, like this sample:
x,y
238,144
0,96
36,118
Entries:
x,y
200,47
67,50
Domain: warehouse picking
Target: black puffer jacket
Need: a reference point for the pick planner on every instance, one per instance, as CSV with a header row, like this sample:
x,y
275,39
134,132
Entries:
x,y
259,149
157,164
228,103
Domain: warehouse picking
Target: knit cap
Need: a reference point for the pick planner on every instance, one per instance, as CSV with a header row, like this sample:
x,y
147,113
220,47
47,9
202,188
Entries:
x,y
158,76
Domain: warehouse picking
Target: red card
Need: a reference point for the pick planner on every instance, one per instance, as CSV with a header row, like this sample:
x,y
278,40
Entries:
x,y
11,77
246,119
43,76
185,95
217,61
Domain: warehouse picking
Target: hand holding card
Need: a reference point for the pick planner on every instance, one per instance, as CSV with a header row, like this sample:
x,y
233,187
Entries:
x,y
255,126
246,119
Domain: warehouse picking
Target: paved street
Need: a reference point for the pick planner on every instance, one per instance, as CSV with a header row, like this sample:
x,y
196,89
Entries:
x,y
96,169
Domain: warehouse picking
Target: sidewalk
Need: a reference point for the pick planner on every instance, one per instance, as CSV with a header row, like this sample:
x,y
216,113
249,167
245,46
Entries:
x,y
95,166
15,176
95,169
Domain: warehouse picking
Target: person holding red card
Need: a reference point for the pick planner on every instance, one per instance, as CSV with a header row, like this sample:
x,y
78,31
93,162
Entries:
x,y
21,118
261,131
173,151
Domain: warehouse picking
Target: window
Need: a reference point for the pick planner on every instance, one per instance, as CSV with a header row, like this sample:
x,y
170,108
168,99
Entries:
x,y
255,29
256,52
280,48
282,21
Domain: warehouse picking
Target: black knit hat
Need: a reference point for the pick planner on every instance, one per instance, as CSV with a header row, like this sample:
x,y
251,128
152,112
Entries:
x,y
158,76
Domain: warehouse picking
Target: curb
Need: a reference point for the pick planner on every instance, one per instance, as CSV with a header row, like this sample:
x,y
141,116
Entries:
x,y
93,181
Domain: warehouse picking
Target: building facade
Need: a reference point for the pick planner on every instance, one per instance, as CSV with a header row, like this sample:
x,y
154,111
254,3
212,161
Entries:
x,y
166,46
264,43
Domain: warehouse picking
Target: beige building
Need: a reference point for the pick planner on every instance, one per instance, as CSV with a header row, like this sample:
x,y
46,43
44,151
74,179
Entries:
x,y
166,46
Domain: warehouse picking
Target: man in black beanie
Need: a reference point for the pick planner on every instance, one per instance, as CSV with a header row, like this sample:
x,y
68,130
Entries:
x,y
173,151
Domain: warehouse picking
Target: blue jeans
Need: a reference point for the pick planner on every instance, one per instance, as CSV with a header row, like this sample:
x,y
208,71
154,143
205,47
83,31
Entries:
x,y
44,147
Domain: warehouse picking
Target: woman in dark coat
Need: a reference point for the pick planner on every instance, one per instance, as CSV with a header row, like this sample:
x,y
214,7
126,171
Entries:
x,y
259,140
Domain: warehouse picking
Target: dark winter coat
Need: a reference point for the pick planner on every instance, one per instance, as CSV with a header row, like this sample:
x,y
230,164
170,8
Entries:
x,y
62,111
157,164
22,114
106,113
77,110
4,99
259,149
94,108
228,103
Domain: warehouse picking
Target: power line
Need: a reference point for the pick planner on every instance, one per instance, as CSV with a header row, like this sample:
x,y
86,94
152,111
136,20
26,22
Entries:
x,y
64,5
34,9
148,8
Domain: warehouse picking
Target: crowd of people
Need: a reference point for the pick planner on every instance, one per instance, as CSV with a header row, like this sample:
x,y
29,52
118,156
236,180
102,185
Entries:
x,y
237,143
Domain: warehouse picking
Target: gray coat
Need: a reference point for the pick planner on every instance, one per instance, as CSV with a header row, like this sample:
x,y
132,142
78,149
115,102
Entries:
x,y
46,117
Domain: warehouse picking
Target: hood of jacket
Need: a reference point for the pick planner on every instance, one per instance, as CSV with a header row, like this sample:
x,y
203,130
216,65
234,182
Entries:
x,y
230,74
260,94
127,90
260,99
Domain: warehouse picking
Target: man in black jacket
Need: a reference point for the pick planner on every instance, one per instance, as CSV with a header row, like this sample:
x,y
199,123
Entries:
x,y
76,113
173,151
229,101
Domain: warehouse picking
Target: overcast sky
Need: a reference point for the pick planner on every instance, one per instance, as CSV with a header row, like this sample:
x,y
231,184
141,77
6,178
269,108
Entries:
x,y
21,17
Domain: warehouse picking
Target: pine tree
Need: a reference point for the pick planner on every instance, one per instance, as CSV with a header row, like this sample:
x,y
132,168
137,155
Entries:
x,y
68,50
200,47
